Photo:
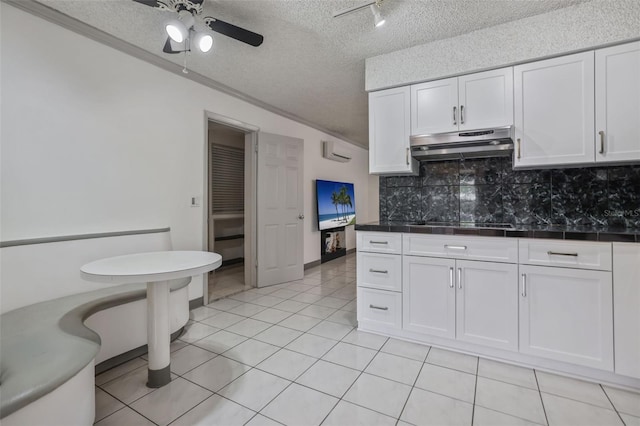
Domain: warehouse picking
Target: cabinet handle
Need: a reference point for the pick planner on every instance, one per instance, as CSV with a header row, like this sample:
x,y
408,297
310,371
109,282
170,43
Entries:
x,y
382,308
455,122
447,246
524,285
408,150
378,242
461,114
518,143
557,253
451,277
377,271
460,278
601,133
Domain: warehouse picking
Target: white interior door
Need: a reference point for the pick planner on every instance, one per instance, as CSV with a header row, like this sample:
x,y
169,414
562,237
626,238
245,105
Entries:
x,y
280,208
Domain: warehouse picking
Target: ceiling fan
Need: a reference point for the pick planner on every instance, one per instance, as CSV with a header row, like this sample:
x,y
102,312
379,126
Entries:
x,y
183,29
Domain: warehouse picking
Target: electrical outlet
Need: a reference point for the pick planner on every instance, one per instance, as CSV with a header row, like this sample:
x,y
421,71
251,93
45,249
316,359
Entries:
x,y
195,202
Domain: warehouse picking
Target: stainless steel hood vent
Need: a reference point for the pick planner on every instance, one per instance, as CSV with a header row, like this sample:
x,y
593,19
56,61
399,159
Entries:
x,y
496,142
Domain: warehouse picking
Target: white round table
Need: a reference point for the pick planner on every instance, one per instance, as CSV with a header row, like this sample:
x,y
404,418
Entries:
x,y
156,269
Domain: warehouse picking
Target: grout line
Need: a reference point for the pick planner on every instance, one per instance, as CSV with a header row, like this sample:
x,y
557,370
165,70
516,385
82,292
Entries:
x,y
475,392
612,404
544,409
404,406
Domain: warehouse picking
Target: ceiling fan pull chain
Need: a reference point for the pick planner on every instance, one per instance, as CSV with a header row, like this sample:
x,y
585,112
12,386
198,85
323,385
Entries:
x,y
184,69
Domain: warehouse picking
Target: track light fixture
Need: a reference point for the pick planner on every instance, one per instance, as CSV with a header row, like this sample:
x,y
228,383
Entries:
x,y
375,9
377,16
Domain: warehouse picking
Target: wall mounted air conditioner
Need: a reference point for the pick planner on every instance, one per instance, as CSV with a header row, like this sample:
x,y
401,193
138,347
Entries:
x,y
335,152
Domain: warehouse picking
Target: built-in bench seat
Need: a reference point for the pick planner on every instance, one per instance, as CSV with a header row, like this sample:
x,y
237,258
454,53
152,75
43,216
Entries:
x,y
48,353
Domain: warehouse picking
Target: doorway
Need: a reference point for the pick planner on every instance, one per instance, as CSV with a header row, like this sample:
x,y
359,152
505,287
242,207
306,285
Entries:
x,y
229,206
254,208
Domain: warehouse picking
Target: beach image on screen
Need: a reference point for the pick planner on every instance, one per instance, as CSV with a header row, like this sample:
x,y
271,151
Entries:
x,y
336,204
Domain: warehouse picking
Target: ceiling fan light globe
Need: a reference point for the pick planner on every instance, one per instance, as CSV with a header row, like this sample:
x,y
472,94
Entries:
x,y
380,22
205,43
176,30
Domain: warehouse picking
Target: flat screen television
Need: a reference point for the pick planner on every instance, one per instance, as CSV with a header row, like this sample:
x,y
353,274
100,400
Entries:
x,y
336,204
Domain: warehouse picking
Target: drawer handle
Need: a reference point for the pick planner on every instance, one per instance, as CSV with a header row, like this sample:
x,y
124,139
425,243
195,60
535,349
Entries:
x,y
378,271
378,242
557,253
447,246
524,285
382,308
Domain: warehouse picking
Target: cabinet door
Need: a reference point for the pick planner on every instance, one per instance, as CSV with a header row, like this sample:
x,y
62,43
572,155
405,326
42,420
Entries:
x,y
554,111
486,99
487,304
618,103
566,315
428,296
389,126
626,299
434,107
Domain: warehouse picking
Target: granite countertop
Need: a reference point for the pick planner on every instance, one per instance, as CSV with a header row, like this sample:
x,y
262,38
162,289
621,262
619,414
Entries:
x,y
561,232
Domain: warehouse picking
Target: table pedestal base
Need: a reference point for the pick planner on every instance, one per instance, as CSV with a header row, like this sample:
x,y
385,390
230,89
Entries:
x,y
159,378
158,334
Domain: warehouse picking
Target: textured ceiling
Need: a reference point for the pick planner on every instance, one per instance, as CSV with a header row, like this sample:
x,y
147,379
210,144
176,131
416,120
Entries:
x,y
311,65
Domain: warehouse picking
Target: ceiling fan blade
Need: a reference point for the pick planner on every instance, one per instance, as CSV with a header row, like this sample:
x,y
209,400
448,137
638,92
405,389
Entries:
x,y
230,30
192,6
152,3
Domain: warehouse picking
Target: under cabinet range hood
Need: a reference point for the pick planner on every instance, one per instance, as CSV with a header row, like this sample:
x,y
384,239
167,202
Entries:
x,y
495,142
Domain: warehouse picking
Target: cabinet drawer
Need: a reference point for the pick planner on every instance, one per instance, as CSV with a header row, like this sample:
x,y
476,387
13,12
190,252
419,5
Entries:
x,y
379,309
380,242
382,271
462,247
566,254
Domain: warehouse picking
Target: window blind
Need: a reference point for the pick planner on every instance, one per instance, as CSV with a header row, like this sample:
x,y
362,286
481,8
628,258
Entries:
x,y
227,179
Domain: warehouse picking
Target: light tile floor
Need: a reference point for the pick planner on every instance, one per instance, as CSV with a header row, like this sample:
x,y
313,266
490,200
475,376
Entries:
x,y
290,354
226,281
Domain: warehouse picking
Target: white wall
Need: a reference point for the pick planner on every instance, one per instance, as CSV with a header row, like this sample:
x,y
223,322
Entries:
x,y
578,27
94,140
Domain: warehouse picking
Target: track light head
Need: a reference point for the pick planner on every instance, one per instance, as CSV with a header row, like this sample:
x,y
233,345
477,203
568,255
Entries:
x,y
377,16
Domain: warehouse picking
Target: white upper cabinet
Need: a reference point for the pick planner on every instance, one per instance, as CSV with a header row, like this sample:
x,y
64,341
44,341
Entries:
x,y
554,111
618,103
434,107
389,127
470,102
486,99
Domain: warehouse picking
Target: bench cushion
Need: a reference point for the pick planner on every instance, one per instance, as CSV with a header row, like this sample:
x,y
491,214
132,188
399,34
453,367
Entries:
x,y
45,344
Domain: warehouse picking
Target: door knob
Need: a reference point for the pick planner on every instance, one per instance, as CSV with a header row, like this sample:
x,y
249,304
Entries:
x,y
301,216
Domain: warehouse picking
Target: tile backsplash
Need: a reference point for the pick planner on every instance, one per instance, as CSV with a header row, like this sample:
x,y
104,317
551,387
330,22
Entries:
x,y
490,191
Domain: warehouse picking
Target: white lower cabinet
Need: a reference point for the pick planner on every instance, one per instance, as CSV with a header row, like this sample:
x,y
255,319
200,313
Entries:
x,y
471,301
379,310
551,304
429,296
567,315
626,303
487,304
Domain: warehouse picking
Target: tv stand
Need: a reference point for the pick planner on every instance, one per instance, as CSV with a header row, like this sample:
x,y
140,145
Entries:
x,y
332,244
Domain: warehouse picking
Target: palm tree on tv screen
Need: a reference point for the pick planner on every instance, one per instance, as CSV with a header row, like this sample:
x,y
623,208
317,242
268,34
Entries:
x,y
335,200
343,200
